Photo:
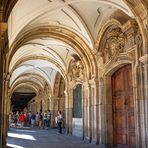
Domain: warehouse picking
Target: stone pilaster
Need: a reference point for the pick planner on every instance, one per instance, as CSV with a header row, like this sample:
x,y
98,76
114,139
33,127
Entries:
x,y
45,98
6,104
138,92
94,110
66,111
70,109
101,115
1,100
54,107
53,110
144,61
106,111
85,111
51,106
88,118
3,38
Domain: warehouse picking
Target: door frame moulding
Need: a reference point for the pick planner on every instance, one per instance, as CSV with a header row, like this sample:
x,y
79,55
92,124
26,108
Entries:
x,y
107,122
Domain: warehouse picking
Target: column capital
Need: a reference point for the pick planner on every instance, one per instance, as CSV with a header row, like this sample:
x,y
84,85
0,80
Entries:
x,y
3,28
3,36
94,82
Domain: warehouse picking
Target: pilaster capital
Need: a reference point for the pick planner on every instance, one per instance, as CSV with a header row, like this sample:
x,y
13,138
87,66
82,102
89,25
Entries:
x,y
66,92
6,77
86,83
94,82
3,27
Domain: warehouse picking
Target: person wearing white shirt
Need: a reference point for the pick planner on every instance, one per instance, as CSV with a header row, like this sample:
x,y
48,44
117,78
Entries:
x,y
59,122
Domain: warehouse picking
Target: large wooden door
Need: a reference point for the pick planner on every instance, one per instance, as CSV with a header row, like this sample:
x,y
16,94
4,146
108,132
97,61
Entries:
x,y
123,108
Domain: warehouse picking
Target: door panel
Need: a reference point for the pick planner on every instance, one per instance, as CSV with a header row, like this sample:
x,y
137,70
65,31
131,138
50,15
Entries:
x,y
123,108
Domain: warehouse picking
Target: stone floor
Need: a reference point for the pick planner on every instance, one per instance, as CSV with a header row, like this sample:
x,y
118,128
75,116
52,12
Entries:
x,y
43,138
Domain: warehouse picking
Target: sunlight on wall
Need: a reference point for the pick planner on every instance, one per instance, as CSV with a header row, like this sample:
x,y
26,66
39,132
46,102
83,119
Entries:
x,y
21,136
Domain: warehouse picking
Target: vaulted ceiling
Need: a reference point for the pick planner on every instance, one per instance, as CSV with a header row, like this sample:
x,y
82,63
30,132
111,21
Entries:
x,y
39,59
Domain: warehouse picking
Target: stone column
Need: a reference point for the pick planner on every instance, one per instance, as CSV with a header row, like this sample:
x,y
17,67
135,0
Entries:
x,y
54,107
70,109
66,111
88,117
139,96
3,28
101,115
94,110
6,104
45,98
52,112
106,111
1,99
144,60
84,111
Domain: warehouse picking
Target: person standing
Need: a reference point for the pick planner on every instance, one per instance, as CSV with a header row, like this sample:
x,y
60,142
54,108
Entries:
x,y
37,119
48,118
40,120
32,120
22,119
59,122
45,119
10,119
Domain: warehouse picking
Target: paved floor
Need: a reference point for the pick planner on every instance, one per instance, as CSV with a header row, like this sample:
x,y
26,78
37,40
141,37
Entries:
x,y
41,138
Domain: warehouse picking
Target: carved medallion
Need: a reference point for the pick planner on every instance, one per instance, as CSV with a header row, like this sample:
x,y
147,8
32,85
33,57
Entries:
x,y
114,44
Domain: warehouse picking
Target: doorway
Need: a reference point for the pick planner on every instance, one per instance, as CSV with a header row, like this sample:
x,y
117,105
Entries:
x,y
123,108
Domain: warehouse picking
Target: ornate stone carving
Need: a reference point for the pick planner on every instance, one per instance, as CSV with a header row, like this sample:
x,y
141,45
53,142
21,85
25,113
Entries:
x,y
76,70
130,30
114,44
138,41
99,59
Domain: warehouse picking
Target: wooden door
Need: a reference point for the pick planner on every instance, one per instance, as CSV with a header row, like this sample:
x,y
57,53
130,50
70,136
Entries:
x,y
123,108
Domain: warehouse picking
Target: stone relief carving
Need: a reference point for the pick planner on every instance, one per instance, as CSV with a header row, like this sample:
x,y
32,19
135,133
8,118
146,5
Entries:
x,y
138,41
100,59
76,70
130,29
114,44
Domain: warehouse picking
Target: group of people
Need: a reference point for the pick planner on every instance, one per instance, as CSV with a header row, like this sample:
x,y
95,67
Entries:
x,y
40,120
30,119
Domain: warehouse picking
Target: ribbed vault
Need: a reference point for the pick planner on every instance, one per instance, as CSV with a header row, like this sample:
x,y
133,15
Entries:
x,y
44,36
